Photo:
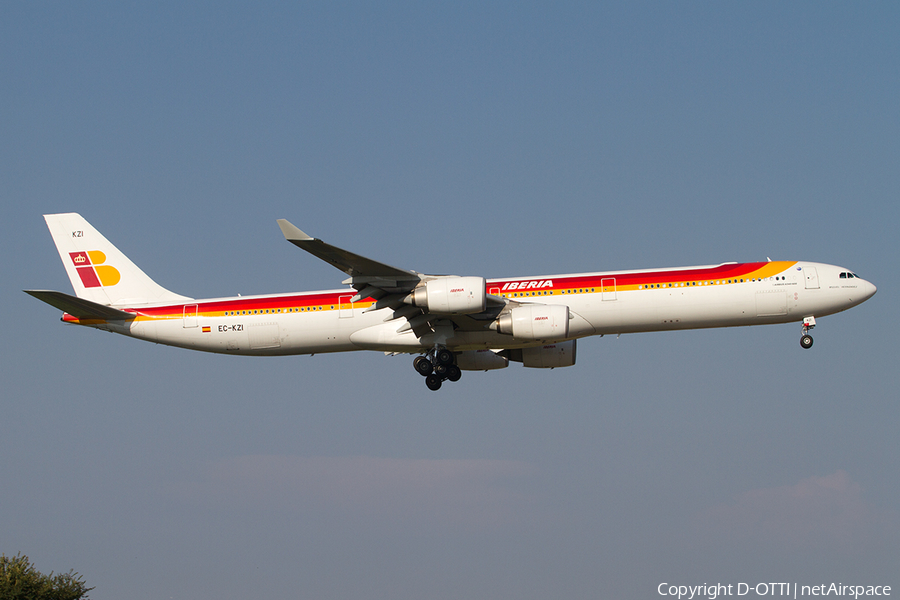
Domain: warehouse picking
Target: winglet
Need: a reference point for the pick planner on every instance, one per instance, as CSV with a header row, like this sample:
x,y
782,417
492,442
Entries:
x,y
291,232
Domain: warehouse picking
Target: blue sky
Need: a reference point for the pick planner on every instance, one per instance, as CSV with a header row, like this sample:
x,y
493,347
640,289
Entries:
x,y
500,140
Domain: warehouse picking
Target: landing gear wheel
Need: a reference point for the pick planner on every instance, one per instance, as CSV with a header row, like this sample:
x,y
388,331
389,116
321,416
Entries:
x,y
433,382
423,366
444,357
441,370
453,373
806,341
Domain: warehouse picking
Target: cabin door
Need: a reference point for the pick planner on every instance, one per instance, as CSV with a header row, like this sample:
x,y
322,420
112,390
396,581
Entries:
x,y
345,307
190,316
812,278
608,288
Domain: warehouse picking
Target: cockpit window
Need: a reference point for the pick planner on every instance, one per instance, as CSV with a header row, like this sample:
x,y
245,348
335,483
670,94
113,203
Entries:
x,y
846,275
843,276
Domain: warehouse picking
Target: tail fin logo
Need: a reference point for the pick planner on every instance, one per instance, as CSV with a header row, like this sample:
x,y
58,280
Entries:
x,y
92,271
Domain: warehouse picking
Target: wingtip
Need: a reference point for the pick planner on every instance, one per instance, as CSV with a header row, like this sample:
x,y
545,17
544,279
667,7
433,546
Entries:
x,y
291,232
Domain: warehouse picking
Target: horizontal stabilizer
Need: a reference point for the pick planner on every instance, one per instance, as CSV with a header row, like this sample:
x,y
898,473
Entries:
x,y
79,307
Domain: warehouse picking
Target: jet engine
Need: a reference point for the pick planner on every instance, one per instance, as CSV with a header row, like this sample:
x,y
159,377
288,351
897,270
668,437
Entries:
x,y
480,360
535,322
450,296
561,354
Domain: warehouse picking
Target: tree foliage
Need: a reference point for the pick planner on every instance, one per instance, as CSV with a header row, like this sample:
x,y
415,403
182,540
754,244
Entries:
x,y
19,580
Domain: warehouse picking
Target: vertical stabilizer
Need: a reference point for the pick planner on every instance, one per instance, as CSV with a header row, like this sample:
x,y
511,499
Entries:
x,y
99,272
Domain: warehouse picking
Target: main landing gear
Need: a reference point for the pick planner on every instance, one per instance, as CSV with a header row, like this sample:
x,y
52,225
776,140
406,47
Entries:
x,y
806,340
437,366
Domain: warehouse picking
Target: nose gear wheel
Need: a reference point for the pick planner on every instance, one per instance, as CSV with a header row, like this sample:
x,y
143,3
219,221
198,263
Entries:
x,y
806,340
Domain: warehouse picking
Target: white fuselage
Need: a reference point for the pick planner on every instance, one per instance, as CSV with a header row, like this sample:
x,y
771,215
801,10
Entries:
x,y
725,295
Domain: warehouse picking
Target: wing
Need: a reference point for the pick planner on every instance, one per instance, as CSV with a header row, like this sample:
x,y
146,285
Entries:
x,y
362,271
390,287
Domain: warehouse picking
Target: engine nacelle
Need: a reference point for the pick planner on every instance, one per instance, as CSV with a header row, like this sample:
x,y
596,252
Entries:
x,y
550,356
450,296
536,322
480,360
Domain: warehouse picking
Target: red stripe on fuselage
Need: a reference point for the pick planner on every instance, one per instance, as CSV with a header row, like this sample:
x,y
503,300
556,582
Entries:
x,y
330,300
638,278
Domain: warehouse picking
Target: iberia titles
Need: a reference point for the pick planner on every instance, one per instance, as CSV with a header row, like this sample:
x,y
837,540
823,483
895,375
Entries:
x,y
527,285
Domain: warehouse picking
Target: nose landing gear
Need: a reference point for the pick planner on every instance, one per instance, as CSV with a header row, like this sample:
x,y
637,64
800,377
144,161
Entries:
x,y
806,340
437,366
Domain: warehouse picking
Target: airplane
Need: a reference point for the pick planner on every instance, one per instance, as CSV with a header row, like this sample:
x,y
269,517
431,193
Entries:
x,y
451,323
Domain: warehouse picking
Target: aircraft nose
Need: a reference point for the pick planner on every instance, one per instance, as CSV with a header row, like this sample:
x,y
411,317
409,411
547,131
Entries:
x,y
870,289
